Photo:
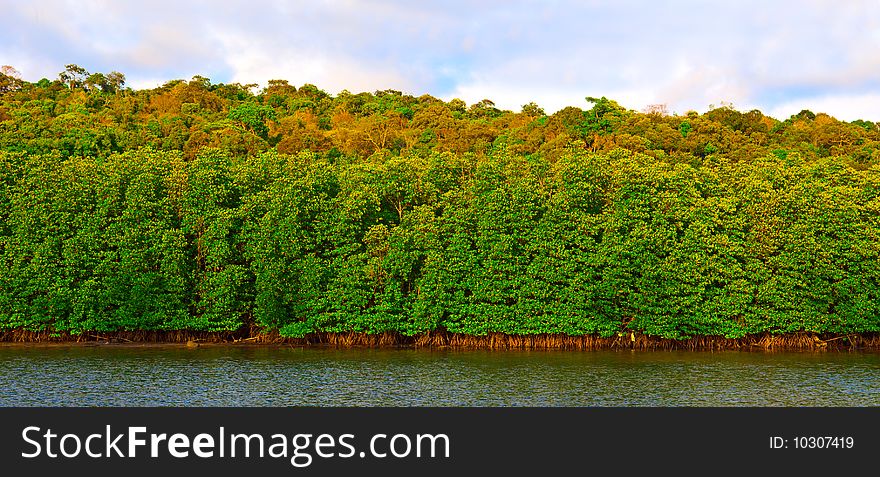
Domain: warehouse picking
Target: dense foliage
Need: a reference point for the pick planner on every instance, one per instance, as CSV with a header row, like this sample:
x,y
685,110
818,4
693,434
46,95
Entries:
x,y
210,207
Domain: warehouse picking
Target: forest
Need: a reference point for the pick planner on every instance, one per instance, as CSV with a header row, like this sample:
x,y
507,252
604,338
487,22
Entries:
x,y
226,207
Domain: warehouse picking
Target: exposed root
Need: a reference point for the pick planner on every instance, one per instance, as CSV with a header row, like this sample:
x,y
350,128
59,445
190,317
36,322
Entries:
x,y
176,336
443,339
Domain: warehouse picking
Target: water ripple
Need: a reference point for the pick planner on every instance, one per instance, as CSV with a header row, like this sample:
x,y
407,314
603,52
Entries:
x,y
269,376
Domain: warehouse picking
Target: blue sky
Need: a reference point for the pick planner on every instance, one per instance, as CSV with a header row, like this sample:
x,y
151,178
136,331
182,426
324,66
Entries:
x,y
778,56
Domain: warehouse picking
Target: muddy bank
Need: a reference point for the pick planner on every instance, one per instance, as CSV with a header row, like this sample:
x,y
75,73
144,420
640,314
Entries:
x,y
440,339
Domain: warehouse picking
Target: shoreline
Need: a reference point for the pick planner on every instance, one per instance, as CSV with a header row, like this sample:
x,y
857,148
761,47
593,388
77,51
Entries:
x,y
443,339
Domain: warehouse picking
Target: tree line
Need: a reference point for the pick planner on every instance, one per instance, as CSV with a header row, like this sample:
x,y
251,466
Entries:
x,y
216,207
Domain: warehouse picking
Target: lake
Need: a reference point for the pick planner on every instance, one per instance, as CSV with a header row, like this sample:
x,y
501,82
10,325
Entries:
x,y
283,376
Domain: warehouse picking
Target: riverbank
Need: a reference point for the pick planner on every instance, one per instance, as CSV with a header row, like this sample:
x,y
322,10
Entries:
x,y
494,341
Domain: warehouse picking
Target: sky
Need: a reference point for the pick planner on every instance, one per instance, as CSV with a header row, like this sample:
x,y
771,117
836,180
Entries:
x,y
779,56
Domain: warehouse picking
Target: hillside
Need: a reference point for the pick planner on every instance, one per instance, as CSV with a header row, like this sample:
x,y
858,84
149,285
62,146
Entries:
x,y
217,207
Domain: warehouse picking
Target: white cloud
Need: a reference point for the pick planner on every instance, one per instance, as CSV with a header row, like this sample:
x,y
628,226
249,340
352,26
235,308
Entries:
x,y
253,60
145,83
844,107
510,97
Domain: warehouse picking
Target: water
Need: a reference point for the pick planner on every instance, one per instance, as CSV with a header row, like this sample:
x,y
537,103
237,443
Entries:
x,y
283,376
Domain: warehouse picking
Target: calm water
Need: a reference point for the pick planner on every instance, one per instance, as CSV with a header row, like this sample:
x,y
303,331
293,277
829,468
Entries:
x,y
270,376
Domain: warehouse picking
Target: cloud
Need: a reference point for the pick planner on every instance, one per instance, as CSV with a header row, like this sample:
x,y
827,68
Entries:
x,y
685,53
514,96
255,60
846,107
